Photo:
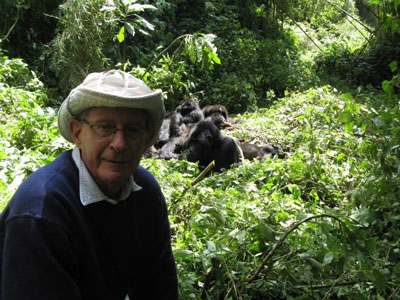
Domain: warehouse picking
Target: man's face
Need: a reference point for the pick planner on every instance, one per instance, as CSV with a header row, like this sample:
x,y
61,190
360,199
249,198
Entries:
x,y
111,160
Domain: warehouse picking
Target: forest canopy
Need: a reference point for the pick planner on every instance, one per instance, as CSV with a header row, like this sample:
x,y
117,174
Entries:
x,y
320,77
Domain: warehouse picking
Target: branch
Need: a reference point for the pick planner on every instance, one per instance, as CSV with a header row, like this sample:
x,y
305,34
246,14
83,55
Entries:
x,y
13,25
346,13
294,21
162,53
282,239
333,285
203,173
326,286
394,293
197,179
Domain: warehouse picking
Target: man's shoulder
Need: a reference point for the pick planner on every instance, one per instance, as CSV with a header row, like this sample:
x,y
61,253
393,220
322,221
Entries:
x,y
57,174
147,181
55,180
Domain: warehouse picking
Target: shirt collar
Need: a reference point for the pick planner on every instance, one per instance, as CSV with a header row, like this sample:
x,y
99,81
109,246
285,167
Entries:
x,y
89,191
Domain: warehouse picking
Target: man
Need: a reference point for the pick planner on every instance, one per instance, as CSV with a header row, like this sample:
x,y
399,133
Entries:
x,y
93,224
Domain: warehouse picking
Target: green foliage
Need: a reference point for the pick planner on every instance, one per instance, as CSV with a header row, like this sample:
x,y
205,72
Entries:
x,y
322,14
29,136
125,15
80,47
176,73
250,67
322,223
26,26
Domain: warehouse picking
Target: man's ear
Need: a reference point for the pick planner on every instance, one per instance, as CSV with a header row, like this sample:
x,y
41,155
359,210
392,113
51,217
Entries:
x,y
150,136
75,128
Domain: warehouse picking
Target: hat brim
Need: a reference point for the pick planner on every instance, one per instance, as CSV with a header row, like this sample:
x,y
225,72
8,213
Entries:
x,y
82,98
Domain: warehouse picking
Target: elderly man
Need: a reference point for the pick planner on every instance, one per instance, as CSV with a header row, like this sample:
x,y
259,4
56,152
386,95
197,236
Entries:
x,y
93,224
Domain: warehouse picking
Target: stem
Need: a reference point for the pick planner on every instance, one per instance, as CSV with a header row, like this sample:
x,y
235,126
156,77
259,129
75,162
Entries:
x,y
13,25
282,239
157,58
349,15
197,179
333,285
294,21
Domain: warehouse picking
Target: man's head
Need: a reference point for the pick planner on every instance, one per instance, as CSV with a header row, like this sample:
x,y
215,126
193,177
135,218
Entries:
x,y
113,118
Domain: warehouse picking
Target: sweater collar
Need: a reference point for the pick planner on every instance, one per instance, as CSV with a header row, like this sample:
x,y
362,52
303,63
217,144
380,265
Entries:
x,y
89,191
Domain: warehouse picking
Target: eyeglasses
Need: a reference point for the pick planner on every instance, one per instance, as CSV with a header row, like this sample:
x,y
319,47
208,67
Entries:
x,y
106,130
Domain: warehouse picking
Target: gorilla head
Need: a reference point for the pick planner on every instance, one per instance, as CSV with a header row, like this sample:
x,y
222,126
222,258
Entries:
x,y
216,109
206,143
190,111
217,114
251,151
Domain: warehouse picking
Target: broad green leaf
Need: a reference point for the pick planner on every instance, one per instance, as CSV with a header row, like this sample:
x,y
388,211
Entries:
x,y
108,8
371,245
347,96
140,7
375,2
130,29
393,65
121,34
396,269
328,258
144,22
379,280
388,87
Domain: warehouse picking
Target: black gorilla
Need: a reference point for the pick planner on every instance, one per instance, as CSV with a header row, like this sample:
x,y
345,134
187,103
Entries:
x,y
163,134
217,113
251,151
208,110
206,143
175,125
190,111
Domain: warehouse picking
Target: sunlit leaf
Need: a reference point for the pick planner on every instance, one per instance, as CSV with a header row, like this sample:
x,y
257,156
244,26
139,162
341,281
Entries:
x,y
121,34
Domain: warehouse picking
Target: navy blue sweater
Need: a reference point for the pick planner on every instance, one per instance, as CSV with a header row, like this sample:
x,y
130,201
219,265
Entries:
x,y
52,247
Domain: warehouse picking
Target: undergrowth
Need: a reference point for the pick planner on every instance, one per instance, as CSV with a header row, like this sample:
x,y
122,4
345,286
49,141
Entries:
x,y
319,224
322,223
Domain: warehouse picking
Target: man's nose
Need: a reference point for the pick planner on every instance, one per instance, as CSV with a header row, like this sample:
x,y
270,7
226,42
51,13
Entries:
x,y
118,142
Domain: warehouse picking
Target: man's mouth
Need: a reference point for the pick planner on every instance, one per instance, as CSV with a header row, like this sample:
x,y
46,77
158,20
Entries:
x,y
119,162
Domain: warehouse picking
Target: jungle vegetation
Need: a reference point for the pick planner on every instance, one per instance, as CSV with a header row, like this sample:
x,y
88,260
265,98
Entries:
x,y
320,77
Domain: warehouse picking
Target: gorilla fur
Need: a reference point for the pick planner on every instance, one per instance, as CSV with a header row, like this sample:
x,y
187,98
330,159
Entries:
x,y
206,143
190,111
216,113
252,151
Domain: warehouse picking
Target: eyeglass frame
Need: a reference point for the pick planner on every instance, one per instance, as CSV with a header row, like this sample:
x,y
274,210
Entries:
x,y
141,131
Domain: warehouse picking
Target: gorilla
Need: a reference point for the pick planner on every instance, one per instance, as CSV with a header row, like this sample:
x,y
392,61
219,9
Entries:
x,y
172,149
150,152
251,151
274,149
190,111
174,146
175,125
208,110
164,133
217,114
170,127
206,143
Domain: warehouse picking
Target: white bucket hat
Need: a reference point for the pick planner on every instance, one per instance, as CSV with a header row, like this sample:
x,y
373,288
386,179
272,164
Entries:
x,y
113,88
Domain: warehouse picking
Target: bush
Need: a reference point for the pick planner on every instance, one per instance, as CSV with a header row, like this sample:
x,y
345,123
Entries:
x,y
250,67
28,129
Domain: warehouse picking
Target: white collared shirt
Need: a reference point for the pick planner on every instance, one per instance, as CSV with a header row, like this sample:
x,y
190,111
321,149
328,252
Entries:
x,y
89,191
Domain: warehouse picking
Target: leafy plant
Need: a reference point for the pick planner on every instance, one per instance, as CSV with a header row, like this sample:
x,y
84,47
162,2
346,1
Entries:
x,y
125,14
28,129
